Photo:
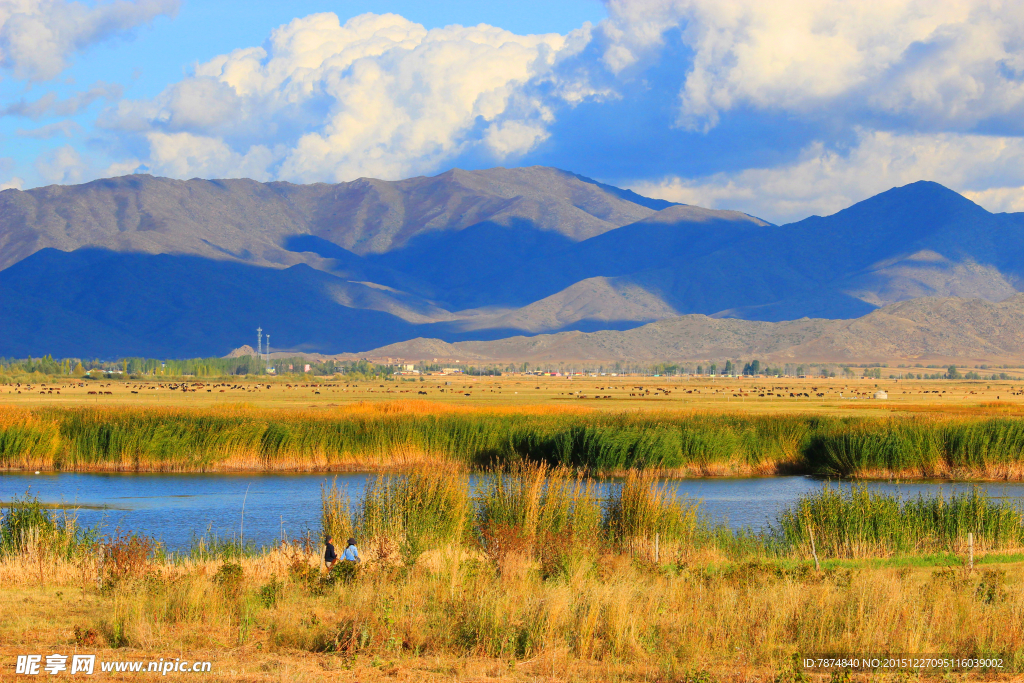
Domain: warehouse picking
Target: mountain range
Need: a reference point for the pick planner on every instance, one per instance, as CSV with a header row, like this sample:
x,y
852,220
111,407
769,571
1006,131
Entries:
x,y
148,266
928,329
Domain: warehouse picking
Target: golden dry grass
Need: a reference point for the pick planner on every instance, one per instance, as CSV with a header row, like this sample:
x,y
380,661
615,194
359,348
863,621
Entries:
x,y
454,618
598,393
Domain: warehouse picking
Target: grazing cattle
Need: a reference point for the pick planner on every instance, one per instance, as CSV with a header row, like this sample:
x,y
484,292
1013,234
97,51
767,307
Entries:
x,y
89,392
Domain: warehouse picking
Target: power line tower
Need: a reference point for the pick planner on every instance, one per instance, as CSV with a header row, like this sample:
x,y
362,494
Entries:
x,y
268,350
259,342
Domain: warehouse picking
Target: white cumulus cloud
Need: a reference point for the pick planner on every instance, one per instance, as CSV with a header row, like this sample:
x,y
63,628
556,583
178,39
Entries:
x,y
186,155
37,37
823,180
378,95
67,166
942,64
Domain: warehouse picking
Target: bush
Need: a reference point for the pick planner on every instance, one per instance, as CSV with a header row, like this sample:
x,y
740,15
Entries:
x,y
125,555
229,577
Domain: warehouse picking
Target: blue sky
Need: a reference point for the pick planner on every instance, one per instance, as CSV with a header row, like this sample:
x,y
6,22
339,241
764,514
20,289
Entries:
x,y
782,109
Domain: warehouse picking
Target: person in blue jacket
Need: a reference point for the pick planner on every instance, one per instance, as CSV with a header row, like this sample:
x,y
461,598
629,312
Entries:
x,y
351,553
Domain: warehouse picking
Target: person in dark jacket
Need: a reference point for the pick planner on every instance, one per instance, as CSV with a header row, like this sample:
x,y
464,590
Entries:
x,y
330,556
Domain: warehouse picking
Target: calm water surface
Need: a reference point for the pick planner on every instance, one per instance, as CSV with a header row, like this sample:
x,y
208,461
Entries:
x,y
175,508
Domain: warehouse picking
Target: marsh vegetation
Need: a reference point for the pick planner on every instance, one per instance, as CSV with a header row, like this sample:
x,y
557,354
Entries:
x,y
536,577
402,433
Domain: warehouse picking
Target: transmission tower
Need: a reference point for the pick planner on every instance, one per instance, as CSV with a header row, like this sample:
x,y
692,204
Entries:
x,y
268,349
259,342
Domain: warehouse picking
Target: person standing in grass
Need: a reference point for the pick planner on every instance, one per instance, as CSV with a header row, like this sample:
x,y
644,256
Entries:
x,y
352,552
330,556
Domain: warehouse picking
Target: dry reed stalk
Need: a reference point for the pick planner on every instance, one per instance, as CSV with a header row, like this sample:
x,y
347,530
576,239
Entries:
x,y
941,470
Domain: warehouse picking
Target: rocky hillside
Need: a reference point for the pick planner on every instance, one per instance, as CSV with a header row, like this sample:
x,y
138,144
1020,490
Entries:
x,y
933,329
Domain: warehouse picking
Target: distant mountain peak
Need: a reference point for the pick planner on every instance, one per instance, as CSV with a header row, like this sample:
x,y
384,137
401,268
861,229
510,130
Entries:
x,y
925,196
242,351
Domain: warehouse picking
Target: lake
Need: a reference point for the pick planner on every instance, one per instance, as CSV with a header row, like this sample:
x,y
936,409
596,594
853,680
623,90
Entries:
x,y
175,508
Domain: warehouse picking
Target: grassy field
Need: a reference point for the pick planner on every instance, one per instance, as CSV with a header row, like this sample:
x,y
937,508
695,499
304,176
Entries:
x,y
535,582
771,395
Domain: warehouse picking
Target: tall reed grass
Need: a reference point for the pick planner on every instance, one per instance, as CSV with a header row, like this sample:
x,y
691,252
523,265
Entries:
x,y
534,511
539,501
853,522
931,448
428,506
379,435
27,528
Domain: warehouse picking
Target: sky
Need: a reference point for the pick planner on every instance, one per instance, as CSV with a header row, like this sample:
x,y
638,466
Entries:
x,y
780,109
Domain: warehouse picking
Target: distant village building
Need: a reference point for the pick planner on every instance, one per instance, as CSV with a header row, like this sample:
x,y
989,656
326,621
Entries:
x,y
881,394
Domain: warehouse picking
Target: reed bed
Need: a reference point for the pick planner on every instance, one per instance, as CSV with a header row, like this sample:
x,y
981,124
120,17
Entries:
x,y
27,528
373,436
554,515
855,522
643,513
540,501
993,448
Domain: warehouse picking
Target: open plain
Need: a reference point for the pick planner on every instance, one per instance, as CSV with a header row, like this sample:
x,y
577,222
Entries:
x,y
835,395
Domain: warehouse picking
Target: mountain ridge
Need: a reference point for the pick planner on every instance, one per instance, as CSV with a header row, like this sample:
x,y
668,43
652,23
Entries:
x,y
931,328
461,256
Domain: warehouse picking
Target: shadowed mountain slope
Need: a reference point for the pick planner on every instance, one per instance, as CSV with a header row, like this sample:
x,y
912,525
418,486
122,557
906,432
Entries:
x,y
97,303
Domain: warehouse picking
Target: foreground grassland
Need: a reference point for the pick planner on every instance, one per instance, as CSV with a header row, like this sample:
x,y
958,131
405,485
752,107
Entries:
x,y
534,579
395,434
